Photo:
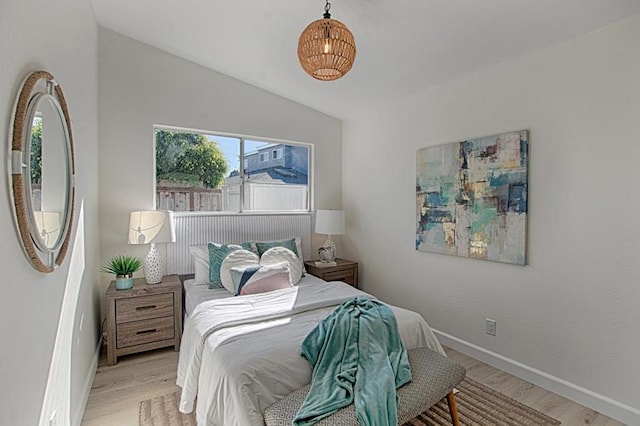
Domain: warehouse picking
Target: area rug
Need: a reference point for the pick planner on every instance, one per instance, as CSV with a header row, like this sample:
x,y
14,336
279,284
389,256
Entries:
x,y
478,405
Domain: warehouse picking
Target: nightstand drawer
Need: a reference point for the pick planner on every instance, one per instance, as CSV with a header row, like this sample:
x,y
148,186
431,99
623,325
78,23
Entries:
x,y
345,275
144,307
146,331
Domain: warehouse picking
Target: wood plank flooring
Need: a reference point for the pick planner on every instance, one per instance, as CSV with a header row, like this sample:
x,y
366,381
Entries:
x,y
118,389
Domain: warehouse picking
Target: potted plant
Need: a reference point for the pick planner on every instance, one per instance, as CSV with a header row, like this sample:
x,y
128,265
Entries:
x,y
123,268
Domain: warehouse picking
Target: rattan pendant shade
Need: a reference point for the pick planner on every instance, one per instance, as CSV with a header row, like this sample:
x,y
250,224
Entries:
x,y
326,48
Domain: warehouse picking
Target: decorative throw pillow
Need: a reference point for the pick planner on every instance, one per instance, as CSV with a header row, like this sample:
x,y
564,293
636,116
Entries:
x,y
281,254
255,279
217,253
246,246
263,246
236,259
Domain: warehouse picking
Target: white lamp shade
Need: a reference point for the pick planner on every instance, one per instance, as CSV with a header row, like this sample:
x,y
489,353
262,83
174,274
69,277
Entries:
x,y
151,226
330,222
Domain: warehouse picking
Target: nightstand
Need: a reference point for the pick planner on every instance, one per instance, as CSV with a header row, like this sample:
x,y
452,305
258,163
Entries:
x,y
345,270
145,317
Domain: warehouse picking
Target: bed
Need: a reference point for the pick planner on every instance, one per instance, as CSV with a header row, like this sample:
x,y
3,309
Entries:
x,y
241,354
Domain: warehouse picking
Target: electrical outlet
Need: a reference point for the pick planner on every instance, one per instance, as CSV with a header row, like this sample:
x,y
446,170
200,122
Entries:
x,y
491,327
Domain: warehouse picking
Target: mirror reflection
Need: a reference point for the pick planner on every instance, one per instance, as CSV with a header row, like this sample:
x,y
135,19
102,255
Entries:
x,y
48,178
42,171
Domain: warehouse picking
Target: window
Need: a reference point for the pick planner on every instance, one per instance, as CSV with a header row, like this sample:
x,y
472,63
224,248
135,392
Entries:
x,y
201,172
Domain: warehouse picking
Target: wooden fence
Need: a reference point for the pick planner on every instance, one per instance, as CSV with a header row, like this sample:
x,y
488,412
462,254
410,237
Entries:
x,y
182,199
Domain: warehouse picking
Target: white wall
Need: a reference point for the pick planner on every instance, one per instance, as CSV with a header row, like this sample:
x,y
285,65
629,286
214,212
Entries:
x,y
141,86
60,37
574,311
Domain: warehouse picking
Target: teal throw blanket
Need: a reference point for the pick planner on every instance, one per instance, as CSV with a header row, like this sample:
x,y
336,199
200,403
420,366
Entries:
x,y
357,356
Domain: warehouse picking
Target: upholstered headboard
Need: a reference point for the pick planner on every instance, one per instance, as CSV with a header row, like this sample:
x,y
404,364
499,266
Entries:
x,y
198,229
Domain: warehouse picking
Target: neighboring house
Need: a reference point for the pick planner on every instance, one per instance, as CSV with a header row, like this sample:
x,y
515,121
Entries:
x,y
275,179
277,155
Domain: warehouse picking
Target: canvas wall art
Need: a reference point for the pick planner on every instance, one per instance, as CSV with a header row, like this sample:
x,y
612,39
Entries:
x,y
471,198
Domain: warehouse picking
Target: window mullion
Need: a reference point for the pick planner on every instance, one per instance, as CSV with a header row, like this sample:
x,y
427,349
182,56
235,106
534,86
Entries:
x,y
241,203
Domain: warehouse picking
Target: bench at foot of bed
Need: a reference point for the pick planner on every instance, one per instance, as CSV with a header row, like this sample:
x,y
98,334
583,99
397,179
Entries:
x,y
434,377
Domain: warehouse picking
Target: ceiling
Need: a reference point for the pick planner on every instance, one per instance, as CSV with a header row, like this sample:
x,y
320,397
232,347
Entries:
x,y
402,45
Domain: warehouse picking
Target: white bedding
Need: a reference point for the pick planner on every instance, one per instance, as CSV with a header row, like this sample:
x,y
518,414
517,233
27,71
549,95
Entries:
x,y
196,293
241,354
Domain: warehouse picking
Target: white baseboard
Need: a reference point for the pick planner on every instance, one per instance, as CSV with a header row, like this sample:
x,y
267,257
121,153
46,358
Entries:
x,y
600,403
88,382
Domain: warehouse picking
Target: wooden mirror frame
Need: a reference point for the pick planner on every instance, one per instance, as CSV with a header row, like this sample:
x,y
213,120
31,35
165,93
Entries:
x,y
20,177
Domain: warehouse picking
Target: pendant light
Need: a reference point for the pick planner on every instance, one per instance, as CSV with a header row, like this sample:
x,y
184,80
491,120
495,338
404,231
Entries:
x,y
326,48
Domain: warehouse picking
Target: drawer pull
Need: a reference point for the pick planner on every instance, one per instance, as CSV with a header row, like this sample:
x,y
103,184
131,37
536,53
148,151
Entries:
x,y
144,308
153,330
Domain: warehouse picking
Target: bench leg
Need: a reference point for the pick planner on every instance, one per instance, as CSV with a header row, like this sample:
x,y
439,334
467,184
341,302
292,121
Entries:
x,y
453,409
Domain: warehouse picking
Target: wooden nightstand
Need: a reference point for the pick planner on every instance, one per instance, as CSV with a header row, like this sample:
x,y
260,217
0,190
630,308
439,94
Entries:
x,y
145,317
345,270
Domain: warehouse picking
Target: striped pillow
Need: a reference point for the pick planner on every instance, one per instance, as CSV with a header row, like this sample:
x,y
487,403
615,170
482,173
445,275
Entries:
x,y
217,253
255,279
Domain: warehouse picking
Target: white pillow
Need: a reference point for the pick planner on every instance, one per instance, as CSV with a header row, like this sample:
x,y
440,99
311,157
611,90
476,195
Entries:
x,y
201,269
236,259
200,256
282,254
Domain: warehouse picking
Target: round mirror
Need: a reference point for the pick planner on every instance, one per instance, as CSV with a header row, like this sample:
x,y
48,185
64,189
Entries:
x,y
42,171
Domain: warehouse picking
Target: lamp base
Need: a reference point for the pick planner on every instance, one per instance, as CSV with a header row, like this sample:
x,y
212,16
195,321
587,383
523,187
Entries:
x,y
152,266
327,253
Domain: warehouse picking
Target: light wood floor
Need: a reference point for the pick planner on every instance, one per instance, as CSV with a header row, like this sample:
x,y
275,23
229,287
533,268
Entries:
x,y
118,389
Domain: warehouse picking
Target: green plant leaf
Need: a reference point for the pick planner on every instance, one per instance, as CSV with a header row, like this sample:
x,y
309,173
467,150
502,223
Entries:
x,y
122,265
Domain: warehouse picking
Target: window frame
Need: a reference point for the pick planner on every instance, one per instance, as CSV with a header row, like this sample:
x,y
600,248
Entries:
x,y
242,138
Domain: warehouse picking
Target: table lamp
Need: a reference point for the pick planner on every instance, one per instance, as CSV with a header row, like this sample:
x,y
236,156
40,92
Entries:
x,y
329,222
48,224
152,227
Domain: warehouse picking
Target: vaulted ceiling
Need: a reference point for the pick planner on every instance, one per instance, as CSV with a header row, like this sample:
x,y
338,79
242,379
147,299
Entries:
x,y
402,45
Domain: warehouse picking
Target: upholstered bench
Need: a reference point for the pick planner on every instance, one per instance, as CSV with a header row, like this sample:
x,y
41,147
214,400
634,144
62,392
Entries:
x,y
434,377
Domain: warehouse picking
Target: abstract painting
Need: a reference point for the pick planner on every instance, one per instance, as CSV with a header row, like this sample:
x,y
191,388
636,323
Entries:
x,y
471,198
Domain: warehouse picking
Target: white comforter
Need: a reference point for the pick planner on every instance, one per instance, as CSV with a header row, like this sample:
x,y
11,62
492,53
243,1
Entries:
x,y
240,355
